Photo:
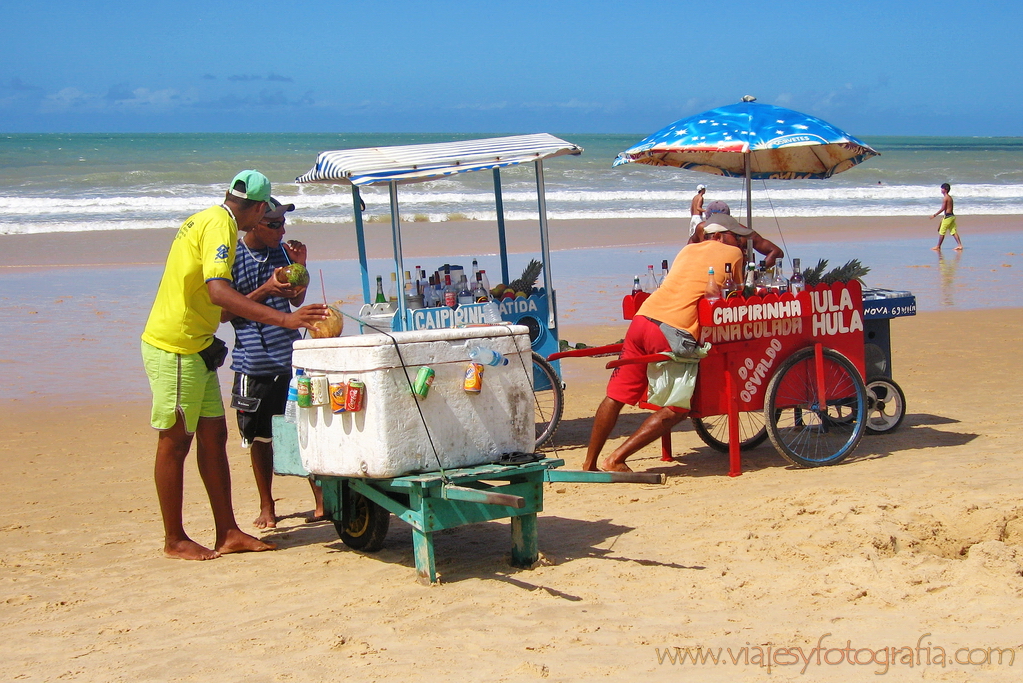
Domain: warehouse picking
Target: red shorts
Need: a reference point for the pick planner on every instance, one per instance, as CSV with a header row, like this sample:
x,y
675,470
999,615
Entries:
x,y
628,383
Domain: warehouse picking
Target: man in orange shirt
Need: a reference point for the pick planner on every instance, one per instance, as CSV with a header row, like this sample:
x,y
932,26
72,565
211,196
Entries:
x,y
667,321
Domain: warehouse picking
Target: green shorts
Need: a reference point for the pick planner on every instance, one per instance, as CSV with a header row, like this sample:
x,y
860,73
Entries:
x,y
948,225
182,386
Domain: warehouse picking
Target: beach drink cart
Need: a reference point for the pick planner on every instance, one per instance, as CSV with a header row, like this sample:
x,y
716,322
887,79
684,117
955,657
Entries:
x,y
424,443
810,371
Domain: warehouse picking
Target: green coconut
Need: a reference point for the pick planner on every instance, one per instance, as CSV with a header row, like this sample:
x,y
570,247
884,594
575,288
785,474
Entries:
x,y
295,275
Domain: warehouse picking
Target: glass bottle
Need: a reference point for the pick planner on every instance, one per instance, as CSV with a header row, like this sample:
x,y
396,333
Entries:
x,y
485,281
479,293
464,295
392,289
664,271
796,282
750,282
636,287
713,290
381,298
450,292
649,280
730,286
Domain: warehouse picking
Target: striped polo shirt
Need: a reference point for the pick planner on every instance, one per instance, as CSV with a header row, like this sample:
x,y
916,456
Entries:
x,y
261,349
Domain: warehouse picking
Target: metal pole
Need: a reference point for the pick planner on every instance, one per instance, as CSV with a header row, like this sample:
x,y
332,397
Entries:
x,y
499,202
749,204
360,239
545,249
399,260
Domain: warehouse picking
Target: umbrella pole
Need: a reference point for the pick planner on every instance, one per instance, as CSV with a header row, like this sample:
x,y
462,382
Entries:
x,y
749,205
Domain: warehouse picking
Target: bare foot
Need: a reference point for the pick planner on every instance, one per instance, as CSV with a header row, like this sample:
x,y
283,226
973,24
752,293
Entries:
x,y
959,248
608,466
266,520
238,541
189,550
935,248
316,517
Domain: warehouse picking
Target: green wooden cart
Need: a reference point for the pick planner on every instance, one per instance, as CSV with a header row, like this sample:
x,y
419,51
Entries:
x,y
432,501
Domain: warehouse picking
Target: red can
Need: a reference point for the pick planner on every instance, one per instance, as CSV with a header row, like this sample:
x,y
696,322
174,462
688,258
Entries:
x,y
473,378
354,395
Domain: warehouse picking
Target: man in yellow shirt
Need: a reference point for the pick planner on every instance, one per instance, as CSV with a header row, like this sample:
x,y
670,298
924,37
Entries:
x,y
181,358
667,321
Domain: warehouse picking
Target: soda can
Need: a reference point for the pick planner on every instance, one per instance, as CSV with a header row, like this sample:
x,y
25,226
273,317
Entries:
x,y
354,396
318,390
473,378
424,380
337,391
305,399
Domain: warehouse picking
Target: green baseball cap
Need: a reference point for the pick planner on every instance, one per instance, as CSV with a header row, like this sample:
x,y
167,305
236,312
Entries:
x,y
256,186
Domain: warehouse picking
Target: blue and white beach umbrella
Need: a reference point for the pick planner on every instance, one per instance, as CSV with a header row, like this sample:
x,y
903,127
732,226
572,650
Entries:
x,y
753,141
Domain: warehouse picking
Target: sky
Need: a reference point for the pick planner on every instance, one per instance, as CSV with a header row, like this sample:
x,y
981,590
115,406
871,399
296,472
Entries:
x,y
872,68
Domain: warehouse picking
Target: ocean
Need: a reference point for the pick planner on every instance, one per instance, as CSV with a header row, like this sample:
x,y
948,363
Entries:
x,y
79,182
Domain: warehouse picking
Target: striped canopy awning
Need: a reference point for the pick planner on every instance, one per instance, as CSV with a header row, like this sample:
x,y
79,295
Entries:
x,y
416,163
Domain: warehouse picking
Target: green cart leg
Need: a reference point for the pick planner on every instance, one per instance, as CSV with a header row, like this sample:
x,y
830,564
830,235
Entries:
x,y
422,548
525,552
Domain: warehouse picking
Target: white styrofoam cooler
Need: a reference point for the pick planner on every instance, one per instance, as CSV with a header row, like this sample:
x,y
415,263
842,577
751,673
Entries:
x,y
387,437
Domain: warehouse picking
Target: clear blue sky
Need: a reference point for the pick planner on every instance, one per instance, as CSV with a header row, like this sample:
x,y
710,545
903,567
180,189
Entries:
x,y
873,68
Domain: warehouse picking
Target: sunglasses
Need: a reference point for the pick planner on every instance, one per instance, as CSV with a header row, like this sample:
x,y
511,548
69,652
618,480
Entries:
x,y
275,225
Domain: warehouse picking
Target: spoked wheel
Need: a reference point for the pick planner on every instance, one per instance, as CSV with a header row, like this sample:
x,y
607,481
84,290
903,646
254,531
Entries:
x,y
548,399
714,430
807,431
366,527
886,405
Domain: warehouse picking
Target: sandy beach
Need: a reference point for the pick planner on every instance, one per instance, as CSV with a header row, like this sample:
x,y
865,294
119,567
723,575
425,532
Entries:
x,y
914,542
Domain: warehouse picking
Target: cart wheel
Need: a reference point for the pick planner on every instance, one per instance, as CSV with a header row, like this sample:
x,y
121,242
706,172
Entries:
x,y
886,405
804,432
366,528
548,397
714,430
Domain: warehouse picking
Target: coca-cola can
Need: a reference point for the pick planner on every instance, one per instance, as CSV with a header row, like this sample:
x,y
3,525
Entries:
x,y
354,396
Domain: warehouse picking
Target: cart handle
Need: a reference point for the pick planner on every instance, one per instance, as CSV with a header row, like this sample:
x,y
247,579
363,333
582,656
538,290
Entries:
x,y
647,359
607,350
450,492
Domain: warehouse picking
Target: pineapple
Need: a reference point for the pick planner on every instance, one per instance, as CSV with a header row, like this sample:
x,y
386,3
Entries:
x,y
529,275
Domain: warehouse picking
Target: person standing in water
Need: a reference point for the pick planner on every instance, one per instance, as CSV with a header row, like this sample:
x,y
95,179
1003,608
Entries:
x,y
948,222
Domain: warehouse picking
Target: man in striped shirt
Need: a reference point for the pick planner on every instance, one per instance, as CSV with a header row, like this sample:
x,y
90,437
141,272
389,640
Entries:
x,y
262,353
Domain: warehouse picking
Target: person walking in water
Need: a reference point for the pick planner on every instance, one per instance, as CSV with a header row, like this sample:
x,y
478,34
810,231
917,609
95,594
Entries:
x,y
696,208
948,222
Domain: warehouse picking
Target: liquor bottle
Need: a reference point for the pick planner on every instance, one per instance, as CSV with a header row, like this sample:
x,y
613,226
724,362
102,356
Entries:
x,y
636,287
479,294
750,282
796,282
485,281
760,283
450,292
464,295
713,290
392,289
779,285
649,280
381,298
664,271
730,286
475,269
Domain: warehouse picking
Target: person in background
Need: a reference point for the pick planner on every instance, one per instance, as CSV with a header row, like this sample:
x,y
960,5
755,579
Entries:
x,y
261,358
948,221
666,322
181,357
696,209
771,251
